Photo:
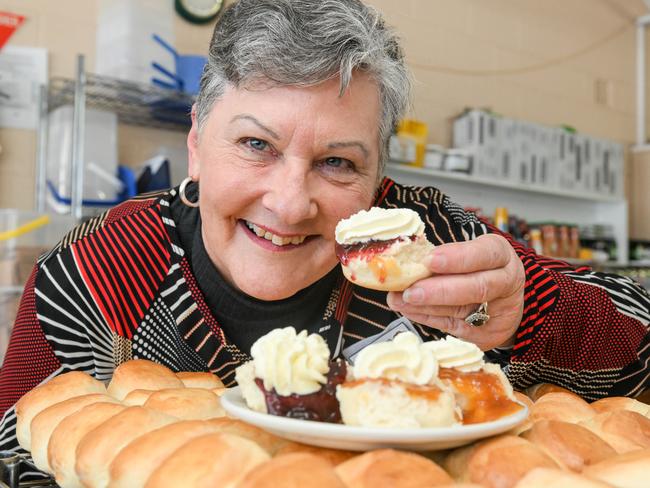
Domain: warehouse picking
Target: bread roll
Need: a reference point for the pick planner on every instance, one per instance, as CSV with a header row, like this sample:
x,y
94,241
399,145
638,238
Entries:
x,y
207,381
629,470
528,423
625,431
137,398
621,403
295,470
523,399
58,389
555,478
388,467
537,391
186,403
567,407
46,421
570,445
219,459
498,462
99,447
140,374
267,441
150,450
62,448
332,456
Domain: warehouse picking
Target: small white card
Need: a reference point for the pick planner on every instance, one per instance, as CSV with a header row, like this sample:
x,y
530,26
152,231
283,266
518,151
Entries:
x,y
402,324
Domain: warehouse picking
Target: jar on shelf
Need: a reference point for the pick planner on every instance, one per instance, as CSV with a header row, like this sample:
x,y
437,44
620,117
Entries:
x,y
459,160
549,239
501,219
434,156
536,240
574,241
563,243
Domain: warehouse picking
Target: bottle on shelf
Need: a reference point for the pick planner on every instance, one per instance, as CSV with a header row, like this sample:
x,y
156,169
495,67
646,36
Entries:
x,y
501,219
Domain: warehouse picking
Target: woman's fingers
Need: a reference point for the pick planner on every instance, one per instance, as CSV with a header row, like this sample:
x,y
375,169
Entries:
x,y
461,289
490,251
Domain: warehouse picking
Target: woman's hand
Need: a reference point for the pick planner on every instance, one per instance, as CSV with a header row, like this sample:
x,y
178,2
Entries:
x,y
466,274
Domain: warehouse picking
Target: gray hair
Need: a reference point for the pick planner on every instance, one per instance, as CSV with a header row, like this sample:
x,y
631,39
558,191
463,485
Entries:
x,y
304,43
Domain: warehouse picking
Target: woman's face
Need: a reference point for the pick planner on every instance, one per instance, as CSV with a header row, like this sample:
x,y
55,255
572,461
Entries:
x,y
277,169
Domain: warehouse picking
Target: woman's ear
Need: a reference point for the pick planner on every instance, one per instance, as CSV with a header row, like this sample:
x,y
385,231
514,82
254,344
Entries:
x,y
193,148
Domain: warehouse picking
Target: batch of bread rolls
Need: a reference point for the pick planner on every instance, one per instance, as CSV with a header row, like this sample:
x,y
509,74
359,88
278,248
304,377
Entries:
x,y
154,428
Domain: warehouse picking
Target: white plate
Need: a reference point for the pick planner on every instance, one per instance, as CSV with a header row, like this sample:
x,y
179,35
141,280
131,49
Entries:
x,y
340,436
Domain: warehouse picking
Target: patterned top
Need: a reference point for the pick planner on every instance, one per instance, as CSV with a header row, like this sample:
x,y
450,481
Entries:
x,y
120,287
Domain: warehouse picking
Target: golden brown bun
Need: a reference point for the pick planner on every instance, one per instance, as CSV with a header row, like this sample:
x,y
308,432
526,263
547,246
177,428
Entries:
x,y
46,421
332,456
150,450
219,459
137,398
140,374
267,441
388,467
296,470
186,403
570,445
528,423
629,470
621,403
207,381
61,451
460,485
537,391
623,430
498,462
56,390
567,407
555,478
99,447
524,399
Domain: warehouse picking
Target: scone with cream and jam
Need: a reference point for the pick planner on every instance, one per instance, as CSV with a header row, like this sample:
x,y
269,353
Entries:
x,y
395,384
482,391
291,375
383,249
409,383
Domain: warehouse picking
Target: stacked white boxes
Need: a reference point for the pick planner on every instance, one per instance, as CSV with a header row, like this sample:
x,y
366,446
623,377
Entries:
x,y
532,154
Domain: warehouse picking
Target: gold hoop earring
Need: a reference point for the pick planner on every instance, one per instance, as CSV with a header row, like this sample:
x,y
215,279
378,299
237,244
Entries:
x,y
181,193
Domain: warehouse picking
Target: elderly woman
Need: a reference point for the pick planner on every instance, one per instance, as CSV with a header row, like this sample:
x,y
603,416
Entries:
x,y
289,135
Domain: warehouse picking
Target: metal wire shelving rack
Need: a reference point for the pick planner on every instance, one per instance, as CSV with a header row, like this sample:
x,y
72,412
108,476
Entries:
x,y
133,103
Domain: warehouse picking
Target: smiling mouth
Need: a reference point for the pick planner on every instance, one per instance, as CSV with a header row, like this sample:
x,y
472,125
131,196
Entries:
x,y
275,239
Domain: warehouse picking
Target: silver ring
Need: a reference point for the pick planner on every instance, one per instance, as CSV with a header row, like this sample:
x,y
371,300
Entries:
x,y
480,317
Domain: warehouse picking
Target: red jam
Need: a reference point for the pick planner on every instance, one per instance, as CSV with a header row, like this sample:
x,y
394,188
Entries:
x,y
365,250
321,405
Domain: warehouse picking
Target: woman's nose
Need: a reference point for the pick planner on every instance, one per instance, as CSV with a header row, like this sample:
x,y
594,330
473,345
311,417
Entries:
x,y
289,194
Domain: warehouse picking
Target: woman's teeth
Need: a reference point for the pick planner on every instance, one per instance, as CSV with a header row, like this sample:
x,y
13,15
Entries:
x,y
277,240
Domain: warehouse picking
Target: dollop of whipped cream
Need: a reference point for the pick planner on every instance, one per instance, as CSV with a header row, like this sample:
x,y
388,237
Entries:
x,y
452,352
290,362
379,224
404,358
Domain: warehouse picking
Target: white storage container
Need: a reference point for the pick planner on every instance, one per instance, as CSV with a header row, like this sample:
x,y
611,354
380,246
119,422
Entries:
x,y
434,156
124,46
100,157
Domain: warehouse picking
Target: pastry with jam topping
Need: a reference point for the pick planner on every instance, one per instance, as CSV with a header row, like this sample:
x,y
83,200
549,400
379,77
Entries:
x,y
482,391
383,249
291,375
395,384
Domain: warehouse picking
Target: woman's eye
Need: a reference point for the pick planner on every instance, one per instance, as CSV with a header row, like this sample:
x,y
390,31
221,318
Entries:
x,y
257,144
339,163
